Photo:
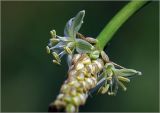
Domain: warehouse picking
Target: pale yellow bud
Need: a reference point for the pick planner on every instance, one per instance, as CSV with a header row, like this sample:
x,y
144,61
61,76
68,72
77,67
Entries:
x,y
67,98
83,56
75,58
79,66
70,108
104,56
89,68
59,103
90,82
99,63
72,72
60,96
73,92
84,71
82,97
64,88
76,100
85,85
91,40
80,77
71,83
94,80
86,60
93,71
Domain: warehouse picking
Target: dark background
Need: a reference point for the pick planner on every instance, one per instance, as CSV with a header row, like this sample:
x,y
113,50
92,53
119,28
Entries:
x,y
29,80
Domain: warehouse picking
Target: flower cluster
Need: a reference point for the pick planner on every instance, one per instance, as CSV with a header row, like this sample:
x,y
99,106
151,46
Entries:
x,y
89,68
115,78
82,76
59,46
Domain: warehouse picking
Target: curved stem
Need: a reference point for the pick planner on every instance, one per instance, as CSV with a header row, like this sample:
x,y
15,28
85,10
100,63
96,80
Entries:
x,y
117,21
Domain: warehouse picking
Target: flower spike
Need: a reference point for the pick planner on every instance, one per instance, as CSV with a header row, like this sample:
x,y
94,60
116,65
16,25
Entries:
x,y
90,68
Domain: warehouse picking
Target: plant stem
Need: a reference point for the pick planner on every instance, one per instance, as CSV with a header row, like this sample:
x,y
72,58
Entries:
x,y
117,21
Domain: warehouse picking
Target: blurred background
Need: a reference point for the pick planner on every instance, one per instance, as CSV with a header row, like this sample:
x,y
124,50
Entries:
x,y
29,79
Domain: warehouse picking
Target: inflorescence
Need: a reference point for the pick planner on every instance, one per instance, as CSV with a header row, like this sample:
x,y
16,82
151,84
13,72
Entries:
x,y
89,67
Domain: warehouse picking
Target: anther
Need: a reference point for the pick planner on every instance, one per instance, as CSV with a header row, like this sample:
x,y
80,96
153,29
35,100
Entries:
x,y
48,49
67,49
56,56
56,62
122,85
53,33
54,40
105,89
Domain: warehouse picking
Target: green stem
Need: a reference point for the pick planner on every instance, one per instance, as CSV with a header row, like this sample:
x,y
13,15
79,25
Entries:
x,y
117,21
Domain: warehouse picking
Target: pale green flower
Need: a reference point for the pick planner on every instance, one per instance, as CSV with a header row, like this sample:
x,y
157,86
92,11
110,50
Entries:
x,y
59,46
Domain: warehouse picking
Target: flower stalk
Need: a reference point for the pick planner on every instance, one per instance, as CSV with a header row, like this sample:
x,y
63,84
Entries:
x,y
117,21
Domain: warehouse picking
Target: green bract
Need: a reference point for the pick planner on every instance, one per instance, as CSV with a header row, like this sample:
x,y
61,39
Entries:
x,y
74,25
83,46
